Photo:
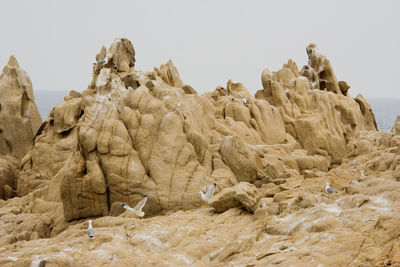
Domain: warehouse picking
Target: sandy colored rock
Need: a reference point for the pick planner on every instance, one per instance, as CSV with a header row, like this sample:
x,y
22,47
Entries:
x,y
19,123
19,116
66,115
322,66
243,195
8,176
133,133
121,55
169,73
243,162
367,112
396,126
344,87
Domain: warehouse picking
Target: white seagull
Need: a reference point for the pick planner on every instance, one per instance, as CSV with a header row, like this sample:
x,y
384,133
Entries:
x,y
244,100
90,230
329,189
362,173
208,192
138,208
100,62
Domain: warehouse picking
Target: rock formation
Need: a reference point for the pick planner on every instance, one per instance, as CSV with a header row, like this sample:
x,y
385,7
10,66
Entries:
x,y
19,123
133,133
19,116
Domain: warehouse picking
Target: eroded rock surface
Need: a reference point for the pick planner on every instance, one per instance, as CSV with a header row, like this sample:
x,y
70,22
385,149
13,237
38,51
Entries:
x,y
19,116
19,124
133,133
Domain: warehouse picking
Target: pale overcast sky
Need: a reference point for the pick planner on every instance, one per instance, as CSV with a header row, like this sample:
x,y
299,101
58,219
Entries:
x,y
209,41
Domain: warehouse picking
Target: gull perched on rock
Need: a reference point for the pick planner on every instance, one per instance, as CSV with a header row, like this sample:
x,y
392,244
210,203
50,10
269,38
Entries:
x,y
208,192
244,100
100,62
362,173
329,189
138,208
90,230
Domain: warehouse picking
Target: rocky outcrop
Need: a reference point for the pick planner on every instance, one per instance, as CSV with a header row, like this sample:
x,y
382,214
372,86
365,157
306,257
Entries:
x,y
19,116
133,133
312,105
19,124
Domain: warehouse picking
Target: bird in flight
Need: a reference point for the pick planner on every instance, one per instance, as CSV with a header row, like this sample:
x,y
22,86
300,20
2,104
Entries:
x,y
138,208
208,192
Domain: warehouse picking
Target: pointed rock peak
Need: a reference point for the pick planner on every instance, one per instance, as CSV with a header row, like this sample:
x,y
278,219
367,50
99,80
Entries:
x,y
12,62
169,63
231,86
366,111
311,46
313,55
121,54
169,73
237,90
322,74
102,54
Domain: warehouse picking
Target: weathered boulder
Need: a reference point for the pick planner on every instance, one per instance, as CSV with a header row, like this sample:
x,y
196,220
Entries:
x,y
344,87
8,176
121,55
243,162
243,195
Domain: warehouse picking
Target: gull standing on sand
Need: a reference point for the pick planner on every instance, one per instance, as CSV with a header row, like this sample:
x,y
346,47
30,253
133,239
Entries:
x,y
138,208
208,192
329,189
90,230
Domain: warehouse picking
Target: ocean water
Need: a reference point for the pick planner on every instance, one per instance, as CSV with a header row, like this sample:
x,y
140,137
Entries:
x,y
47,100
385,109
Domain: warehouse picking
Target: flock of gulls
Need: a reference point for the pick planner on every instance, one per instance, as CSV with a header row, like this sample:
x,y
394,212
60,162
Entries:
x,y
138,209
206,195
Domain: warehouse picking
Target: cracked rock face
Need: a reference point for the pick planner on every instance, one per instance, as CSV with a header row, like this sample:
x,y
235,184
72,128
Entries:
x,y
19,123
133,133
19,116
